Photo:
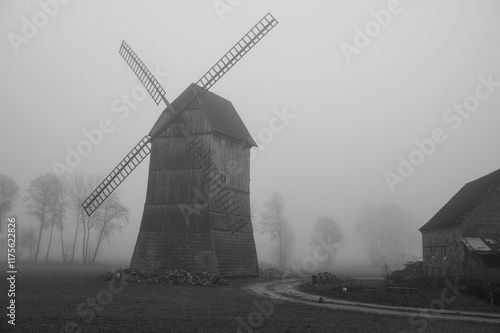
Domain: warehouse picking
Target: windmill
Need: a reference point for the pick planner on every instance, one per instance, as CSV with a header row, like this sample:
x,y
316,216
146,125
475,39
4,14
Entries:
x,y
196,216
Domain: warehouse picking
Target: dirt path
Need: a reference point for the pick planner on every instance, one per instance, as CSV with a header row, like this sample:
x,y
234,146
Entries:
x,y
286,290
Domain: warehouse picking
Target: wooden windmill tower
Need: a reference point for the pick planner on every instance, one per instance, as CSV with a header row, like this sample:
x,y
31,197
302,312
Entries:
x,y
197,211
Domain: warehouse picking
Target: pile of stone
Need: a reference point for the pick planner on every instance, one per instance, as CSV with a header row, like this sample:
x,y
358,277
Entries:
x,y
178,276
270,273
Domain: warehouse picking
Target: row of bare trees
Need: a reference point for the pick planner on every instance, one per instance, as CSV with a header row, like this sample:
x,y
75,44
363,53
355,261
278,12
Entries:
x,y
55,203
109,218
281,243
389,233
281,235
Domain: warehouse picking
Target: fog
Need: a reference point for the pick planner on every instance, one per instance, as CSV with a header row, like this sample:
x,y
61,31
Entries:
x,y
407,114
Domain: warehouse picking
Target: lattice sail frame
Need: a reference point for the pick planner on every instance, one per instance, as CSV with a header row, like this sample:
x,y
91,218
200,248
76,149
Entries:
x,y
256,33
239,49
216,186
143,73
143,148
117,176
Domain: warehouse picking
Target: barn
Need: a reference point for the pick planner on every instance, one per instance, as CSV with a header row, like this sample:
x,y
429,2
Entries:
x,y
463,238
181,227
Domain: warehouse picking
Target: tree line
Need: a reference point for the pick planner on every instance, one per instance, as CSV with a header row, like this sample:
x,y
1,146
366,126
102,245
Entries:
x,y
387,232
55,204
327,234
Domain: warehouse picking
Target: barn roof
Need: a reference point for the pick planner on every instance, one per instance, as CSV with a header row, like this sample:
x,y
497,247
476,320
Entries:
x,y
464,202
482,245
219,112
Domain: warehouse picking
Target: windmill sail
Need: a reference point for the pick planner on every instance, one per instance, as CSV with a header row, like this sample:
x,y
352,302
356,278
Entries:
x,y
239,49
117,176
143,73
227,61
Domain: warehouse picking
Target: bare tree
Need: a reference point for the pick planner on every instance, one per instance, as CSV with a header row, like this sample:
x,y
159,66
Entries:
x,y
78,186
111,218
27,240
275,224
327,235
388,232
39,199
56,210
8,195
89,223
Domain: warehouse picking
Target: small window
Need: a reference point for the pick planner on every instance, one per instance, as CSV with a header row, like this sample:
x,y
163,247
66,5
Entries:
x,y
444,253
433,252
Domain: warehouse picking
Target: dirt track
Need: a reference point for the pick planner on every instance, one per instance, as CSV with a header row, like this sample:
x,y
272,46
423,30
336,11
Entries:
x,y
286,290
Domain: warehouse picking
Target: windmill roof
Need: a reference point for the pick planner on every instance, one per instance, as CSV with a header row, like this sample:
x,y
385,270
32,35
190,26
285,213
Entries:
x,y
464,201
219,112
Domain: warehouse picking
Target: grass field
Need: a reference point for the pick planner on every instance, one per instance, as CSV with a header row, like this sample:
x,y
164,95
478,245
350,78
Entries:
x,y
70,299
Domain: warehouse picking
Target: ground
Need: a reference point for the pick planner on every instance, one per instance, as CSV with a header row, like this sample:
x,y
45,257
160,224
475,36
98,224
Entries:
x,y
52,298
373,291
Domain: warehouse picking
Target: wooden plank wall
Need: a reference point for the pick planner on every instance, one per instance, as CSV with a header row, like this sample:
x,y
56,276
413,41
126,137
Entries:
x,y
485,274
236,254
160,250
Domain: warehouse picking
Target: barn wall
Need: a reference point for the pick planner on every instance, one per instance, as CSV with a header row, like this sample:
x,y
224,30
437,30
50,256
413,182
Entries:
x,y
443,241
476,268
484,220
167,250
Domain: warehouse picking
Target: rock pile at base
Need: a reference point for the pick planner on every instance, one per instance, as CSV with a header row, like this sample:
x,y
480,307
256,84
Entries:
x,y
178,276
270,273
